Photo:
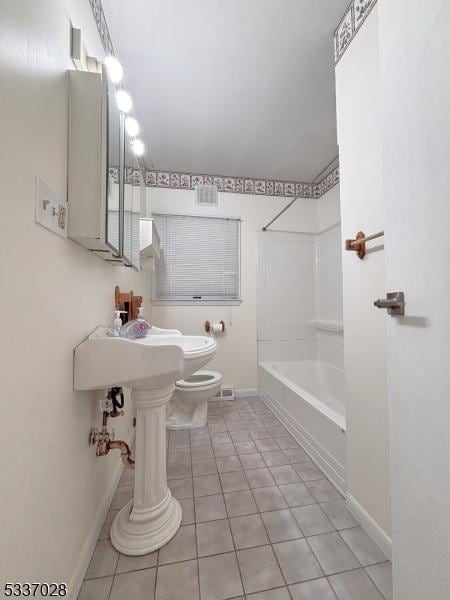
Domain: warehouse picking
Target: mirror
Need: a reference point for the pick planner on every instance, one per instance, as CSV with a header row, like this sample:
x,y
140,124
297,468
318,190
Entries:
x,y
113,199
136,208
131,205
104,198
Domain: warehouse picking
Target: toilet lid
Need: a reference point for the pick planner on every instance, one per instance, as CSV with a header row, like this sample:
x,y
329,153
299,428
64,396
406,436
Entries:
x,y
199,379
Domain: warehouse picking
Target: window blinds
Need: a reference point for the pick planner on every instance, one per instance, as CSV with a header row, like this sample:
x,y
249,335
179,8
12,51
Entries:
x,y
199,259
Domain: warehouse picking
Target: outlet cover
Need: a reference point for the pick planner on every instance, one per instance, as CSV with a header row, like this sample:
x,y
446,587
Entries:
x,y
51,209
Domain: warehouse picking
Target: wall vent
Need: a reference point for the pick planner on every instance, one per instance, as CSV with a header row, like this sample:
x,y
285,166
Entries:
x,y
206,195
225,394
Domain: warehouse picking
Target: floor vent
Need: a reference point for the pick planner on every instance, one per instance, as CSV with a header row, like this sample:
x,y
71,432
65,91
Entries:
x,y
206,195
225,394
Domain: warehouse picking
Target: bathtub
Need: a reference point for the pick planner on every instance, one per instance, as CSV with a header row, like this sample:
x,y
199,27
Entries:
x,y
308,398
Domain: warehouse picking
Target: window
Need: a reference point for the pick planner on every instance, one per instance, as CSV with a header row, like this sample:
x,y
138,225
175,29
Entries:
x,y
200,259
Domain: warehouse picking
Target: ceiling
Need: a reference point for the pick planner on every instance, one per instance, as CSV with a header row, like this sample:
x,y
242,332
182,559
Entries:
x,y
231,87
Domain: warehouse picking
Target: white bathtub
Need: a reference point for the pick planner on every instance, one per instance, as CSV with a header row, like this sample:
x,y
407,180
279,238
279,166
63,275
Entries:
x,y
308,397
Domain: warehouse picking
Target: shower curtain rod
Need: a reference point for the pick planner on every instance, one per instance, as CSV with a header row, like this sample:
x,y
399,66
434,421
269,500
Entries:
x,y
297,197
281,212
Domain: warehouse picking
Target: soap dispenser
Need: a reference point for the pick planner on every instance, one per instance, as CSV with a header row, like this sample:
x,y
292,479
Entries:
x,y
137,328
142,325
117,323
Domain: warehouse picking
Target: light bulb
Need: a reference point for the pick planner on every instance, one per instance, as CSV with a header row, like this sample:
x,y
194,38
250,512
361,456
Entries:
x,y
138,147
132,126
114,68
124,101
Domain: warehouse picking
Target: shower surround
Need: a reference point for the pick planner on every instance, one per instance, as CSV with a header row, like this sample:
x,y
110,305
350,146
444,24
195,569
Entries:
x,y
300,341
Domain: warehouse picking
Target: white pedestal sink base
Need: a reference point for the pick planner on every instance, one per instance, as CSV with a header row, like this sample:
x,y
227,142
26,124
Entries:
x,y
182,417
156,528
153,517
150,366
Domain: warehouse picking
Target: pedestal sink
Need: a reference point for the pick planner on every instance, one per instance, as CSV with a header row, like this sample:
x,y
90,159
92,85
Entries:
x,y
150,366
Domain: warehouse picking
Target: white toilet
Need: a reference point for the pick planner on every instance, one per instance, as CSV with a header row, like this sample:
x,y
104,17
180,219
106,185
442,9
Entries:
x,y
188,406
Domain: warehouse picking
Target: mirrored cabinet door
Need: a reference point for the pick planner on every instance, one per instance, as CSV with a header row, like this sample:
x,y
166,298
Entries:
x,y
136,214
127,200
103,198
131,205
138,188
113,199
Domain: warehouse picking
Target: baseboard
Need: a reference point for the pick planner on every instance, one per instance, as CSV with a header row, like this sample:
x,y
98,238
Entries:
x,y
247,393
332,469
95,530
370,526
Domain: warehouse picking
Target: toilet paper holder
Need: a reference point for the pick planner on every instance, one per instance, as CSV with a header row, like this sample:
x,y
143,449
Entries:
x,y
209,326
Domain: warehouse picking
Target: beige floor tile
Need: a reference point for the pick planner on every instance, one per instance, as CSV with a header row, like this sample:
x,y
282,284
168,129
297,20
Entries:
x,y
178,581
219,577
138,585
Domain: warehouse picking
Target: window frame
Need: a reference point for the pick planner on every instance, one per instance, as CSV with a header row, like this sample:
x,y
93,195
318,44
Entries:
x,y
207,301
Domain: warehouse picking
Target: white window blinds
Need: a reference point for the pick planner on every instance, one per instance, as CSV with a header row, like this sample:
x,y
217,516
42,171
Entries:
x,y
200,258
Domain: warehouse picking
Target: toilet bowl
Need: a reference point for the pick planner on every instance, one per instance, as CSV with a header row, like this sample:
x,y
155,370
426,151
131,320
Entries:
x,y
188,406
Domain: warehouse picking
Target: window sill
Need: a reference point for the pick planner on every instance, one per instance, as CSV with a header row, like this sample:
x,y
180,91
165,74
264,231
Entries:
x,y
196,302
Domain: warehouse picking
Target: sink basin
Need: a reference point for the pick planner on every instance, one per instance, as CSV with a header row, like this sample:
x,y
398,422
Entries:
x,y
197,349
102,361
149,366
153,361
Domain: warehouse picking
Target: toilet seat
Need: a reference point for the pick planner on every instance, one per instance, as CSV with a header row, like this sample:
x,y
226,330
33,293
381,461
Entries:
x,y
199,379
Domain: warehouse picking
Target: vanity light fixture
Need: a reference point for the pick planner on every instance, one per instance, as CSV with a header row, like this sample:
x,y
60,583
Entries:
x,y
138,147
124,101
132,126
114,68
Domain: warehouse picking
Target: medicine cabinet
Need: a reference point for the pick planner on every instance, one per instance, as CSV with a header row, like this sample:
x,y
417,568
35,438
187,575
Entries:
x,y
105,184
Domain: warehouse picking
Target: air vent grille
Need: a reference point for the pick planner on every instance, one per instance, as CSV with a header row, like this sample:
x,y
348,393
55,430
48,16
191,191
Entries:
x,y
206,195
225,394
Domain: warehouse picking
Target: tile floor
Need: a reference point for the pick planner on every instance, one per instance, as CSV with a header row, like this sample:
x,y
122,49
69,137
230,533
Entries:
x,y
260,522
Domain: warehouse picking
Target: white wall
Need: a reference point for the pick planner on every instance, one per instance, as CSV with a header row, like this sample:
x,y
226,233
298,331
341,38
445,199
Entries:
x,y
414,51
359,138
237,356
53,293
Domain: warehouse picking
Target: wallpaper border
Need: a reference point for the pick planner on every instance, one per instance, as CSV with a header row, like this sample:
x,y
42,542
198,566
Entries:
x,y
355,15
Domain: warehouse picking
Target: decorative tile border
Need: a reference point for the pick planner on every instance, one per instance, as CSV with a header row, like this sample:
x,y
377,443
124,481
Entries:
x,y
239,185
354,17
102,27
328,182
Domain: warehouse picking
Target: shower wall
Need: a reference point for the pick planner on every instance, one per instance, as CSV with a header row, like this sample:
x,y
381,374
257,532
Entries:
x,y
328,297
286,296
329,274
299,302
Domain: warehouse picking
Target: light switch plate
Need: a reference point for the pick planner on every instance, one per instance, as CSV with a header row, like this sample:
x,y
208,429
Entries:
x,y
51,209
